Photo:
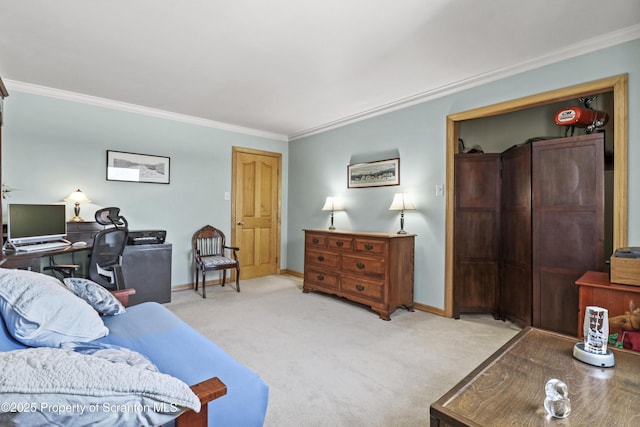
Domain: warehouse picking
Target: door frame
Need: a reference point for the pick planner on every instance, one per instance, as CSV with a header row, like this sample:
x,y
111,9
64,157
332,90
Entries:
x,y
278,156
616,84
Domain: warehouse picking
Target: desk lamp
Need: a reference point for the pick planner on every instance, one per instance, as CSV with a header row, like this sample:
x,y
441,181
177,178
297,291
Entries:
x,y
332,204
77,197
596,334
401,202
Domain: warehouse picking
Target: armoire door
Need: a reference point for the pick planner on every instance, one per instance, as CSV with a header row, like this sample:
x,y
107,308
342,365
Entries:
x,y
477,234
568,225
515,252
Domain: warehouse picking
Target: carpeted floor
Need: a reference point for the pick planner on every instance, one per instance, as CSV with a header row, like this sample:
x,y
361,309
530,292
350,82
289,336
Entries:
x,y
330,362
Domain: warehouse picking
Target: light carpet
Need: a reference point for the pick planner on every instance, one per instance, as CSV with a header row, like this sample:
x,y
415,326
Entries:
x,y
331,362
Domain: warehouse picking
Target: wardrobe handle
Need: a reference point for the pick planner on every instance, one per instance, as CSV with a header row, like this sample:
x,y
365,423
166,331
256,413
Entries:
x,y
339,243
320,258
360,265
368,246
320,277
360,288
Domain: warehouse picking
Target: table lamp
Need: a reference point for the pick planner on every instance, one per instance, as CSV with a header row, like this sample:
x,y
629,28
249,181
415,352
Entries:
x,y
77,197
401,202
332,204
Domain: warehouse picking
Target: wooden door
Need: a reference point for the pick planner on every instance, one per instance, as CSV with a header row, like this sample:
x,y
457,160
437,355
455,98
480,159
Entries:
x,y
256,211
568,225
515,253
476,233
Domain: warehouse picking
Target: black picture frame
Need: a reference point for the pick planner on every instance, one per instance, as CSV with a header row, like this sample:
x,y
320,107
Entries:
x,y
136,167
380,173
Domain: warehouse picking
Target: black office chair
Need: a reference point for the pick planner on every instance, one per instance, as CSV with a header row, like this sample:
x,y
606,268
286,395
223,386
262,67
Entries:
x,y
105,261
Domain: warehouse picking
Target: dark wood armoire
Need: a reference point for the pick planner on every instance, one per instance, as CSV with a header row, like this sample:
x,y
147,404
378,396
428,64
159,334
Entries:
x,y
516,239
548,230
477,234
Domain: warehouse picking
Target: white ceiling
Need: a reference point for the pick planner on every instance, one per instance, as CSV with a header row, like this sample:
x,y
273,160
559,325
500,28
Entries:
x,y
291,67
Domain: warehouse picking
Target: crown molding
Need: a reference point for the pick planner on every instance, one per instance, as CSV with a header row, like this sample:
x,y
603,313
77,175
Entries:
x,y
587,46
137,109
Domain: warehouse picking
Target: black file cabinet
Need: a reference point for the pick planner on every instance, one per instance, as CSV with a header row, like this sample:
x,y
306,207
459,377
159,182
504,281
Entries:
x,y
147,269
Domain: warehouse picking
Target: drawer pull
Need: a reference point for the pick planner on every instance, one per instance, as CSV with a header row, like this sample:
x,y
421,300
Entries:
x,y
320,258
368,246
360,265
360,288
339,243
320,277
316,241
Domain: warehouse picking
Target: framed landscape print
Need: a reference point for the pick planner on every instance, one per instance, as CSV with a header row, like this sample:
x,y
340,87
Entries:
x,y
374,174
134,167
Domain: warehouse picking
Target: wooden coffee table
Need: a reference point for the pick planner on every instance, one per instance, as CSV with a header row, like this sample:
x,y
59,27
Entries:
x,y
508,388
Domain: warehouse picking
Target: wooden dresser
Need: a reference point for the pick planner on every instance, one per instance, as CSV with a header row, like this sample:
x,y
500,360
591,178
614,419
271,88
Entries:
x,y
375,269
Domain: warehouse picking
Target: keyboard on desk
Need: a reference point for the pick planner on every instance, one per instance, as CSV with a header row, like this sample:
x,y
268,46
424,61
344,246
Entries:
x,y
48,246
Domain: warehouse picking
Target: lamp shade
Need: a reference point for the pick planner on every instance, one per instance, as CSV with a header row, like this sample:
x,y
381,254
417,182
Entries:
x,y
401,202
333,204
77,197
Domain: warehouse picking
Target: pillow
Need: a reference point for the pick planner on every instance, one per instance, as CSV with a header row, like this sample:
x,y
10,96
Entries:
x,y
53,386
95,295
40,311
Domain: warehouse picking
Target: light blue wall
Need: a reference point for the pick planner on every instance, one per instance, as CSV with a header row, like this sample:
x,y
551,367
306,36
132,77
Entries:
x,y
318,163
51,147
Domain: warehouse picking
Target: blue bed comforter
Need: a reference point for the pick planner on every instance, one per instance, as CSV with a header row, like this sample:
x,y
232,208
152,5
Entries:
x,y
178,350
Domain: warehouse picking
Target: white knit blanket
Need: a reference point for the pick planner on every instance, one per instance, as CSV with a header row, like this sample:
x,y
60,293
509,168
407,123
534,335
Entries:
x,y
36,382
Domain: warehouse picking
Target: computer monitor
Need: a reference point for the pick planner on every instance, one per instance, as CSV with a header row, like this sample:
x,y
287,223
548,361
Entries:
x,y
27,223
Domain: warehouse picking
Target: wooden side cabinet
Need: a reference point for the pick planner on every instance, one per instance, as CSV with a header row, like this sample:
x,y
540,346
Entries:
x,y
594,288
375,269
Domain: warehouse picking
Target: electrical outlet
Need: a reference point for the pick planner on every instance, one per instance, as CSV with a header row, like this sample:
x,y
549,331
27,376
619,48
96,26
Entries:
x,y
227,195
439,190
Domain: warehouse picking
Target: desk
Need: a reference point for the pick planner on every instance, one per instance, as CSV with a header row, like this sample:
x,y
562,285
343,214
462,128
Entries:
x,y
32,260
82,231
508,388
147,268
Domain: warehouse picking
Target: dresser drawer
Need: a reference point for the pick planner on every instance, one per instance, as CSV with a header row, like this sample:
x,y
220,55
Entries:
x,y
363,265
340,243
370,289
321,279
320,258
315,241
371,246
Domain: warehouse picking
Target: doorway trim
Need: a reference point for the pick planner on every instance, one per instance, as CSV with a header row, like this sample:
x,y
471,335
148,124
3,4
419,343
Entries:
x,y
616,84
